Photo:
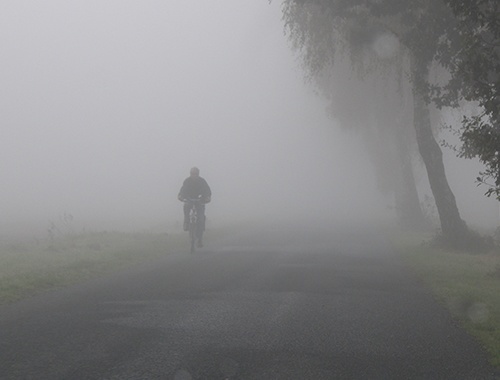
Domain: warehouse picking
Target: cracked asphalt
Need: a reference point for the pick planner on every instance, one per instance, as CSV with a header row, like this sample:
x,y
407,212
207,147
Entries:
x,y
268,304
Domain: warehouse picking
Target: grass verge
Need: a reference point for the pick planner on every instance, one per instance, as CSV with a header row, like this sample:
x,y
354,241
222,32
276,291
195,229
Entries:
x,y
30,268
467,284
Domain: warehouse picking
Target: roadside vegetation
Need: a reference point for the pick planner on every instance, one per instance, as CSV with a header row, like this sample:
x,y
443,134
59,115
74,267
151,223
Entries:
x,y
468,284
28,268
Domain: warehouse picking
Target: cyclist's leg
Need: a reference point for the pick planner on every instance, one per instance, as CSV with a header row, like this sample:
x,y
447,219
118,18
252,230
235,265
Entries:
x,y
200,209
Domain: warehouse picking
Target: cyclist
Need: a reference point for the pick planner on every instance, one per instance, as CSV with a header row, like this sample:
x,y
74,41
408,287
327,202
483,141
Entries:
x,y
195,187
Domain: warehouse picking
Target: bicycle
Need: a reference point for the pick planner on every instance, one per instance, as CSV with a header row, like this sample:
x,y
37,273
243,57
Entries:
x,y
195,227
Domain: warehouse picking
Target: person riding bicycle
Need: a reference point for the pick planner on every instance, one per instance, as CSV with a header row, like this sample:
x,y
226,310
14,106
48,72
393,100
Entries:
x,y
195,187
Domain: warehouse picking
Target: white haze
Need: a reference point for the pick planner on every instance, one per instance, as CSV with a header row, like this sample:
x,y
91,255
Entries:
x,y
105,105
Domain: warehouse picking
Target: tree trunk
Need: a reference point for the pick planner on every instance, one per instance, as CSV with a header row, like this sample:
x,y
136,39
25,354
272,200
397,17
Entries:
x,y
408,207
454,229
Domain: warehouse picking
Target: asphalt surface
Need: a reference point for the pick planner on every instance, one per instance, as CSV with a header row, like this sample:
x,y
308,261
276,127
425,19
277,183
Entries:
x,y
265,305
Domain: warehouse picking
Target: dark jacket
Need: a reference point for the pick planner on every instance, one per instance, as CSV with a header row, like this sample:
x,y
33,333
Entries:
x,y
195,187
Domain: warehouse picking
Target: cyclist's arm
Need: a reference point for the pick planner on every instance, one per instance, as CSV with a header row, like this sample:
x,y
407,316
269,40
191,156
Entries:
x,y
182,192
207,196
181,196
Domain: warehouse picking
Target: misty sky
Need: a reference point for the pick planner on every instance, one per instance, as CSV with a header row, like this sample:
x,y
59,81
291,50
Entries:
x,y
105,105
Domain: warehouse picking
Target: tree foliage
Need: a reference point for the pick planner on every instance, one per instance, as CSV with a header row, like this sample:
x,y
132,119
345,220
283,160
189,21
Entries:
x,y
462,36
470,51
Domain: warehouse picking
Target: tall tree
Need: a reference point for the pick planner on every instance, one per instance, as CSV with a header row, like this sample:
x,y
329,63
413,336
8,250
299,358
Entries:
x,y
321,29
376,108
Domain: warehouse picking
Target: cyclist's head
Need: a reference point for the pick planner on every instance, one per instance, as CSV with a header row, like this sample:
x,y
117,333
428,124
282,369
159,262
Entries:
x,y
195,172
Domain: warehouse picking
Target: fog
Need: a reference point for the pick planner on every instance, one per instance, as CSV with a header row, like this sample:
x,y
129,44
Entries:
x,y
105,106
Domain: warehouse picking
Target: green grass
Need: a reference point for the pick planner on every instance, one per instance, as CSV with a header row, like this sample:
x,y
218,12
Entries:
x,y
467,284
29,268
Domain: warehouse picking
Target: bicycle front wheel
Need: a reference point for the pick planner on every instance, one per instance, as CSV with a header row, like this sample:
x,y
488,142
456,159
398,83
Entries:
x,y
192,236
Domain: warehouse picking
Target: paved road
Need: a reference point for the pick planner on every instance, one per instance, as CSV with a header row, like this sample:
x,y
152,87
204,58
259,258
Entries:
x,y
269,305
